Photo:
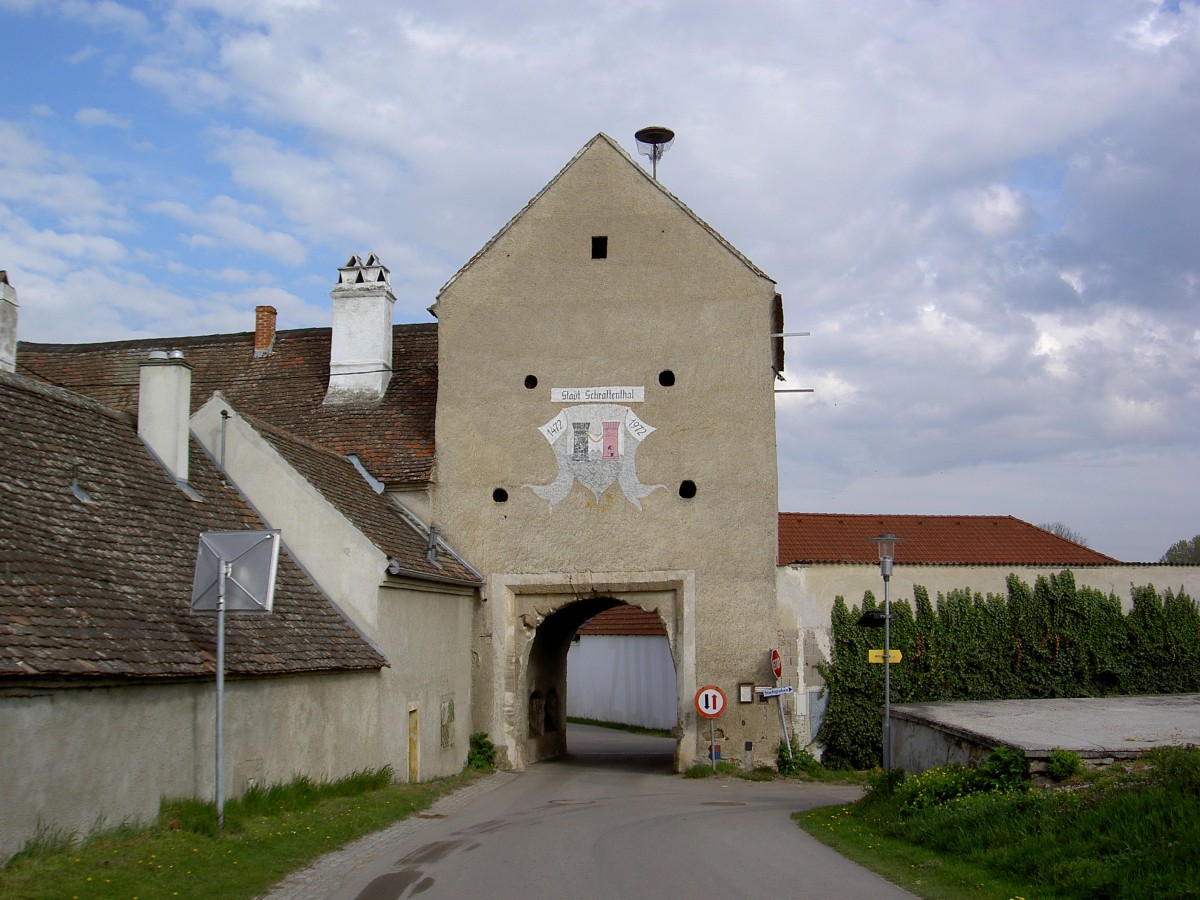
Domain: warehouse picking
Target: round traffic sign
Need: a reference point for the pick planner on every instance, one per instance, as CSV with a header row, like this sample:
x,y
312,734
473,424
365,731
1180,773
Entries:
x,y
776,663
710,701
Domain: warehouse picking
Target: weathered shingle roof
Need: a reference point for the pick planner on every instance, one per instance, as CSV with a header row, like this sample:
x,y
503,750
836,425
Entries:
x,y
103,589
394,437
929,540
377,517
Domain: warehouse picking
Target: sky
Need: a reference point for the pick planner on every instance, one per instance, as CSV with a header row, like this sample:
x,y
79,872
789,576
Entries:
x,y
987,214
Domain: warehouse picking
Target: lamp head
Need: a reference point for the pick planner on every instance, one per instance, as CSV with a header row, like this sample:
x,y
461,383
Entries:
x,y
887,551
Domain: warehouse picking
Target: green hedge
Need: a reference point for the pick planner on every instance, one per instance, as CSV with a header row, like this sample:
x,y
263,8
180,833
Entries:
x,y
1054,640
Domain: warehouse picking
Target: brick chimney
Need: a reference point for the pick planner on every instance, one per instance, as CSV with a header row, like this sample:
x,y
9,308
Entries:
x,y
8,324
264,330
164,409
360,352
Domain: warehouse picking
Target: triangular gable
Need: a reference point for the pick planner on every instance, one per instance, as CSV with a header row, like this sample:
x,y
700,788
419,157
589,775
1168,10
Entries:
x,y
604,138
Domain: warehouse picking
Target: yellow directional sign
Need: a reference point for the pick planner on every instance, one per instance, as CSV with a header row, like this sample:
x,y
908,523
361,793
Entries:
x,y
876,656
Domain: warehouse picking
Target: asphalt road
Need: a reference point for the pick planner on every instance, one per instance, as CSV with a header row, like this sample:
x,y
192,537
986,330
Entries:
x,y
609,821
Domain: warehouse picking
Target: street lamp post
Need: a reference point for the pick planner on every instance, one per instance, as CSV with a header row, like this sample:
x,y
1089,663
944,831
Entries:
x,y
887,549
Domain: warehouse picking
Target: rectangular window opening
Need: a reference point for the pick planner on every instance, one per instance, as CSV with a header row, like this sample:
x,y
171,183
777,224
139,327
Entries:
x,y
600,246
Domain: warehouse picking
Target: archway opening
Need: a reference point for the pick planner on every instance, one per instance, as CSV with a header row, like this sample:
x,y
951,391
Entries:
x,y
619,670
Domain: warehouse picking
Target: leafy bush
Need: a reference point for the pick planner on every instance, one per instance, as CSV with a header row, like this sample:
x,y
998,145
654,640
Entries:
x,y
881,785
1178,767
1063,764
1005,769
482,755
1131,832
795,761
935,787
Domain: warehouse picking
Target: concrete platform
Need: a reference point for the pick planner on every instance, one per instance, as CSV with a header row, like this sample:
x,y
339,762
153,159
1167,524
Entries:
x,y
1099,729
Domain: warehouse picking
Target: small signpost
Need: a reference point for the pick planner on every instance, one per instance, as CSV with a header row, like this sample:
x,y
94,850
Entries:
x,y
777,670
235,573
774,691
876,656
710,703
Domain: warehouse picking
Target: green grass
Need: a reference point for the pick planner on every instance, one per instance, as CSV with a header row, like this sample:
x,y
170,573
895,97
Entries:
x,y
1131,831
617,726
268,833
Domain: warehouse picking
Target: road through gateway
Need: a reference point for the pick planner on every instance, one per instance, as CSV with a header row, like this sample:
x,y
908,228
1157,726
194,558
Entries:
x,y
609,821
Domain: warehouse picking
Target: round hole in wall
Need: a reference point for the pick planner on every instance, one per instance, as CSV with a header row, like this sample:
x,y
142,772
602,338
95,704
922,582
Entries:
x,y
666,378
531,381
687,489
500,495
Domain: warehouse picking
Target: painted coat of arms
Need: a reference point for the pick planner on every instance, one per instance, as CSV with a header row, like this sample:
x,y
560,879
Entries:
x,y
596,444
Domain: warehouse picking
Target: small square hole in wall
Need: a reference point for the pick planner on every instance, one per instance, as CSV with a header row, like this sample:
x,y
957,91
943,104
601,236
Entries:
x,y
600,246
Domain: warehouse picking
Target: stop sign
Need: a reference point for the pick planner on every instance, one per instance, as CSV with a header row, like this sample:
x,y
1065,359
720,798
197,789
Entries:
x,y
776,663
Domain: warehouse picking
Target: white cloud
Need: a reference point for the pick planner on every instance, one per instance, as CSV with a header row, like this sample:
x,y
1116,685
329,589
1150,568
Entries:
x,y
37,178
230,223
106,14
92,117
986,213
997,211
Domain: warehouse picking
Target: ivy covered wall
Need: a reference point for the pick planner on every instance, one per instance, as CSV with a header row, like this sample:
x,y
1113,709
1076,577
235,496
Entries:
x,y
1051,640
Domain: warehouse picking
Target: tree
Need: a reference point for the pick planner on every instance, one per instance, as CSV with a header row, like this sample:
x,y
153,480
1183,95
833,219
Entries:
x,y
1063,530
1183,553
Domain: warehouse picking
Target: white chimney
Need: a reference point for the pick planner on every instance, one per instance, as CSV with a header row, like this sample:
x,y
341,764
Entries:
x,y
8,324
360,353
164,409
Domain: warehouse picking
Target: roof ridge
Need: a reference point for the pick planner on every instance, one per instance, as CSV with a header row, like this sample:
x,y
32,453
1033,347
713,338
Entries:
x,y
262,425
61,394
194,340
910,516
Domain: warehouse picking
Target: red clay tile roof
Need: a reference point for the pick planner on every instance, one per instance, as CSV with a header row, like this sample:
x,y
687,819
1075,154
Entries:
x,y
393,437
103,589
929,540
624,619
377,517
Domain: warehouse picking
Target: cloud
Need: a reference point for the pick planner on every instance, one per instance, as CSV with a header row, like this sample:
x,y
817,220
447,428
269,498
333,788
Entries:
x,y
91,117
987,214
36,178
229,223
105,14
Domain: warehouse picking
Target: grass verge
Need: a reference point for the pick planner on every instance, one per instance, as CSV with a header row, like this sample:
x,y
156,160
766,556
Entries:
x,y
268,834
1129,831
617,726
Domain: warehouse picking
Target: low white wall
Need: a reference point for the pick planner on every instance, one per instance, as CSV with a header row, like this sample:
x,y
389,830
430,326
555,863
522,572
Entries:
x,y
426,634
85,758
629,679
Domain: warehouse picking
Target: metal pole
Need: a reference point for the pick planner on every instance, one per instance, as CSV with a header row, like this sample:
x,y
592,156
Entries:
x,y
712,744
887,678
219,790
783,721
